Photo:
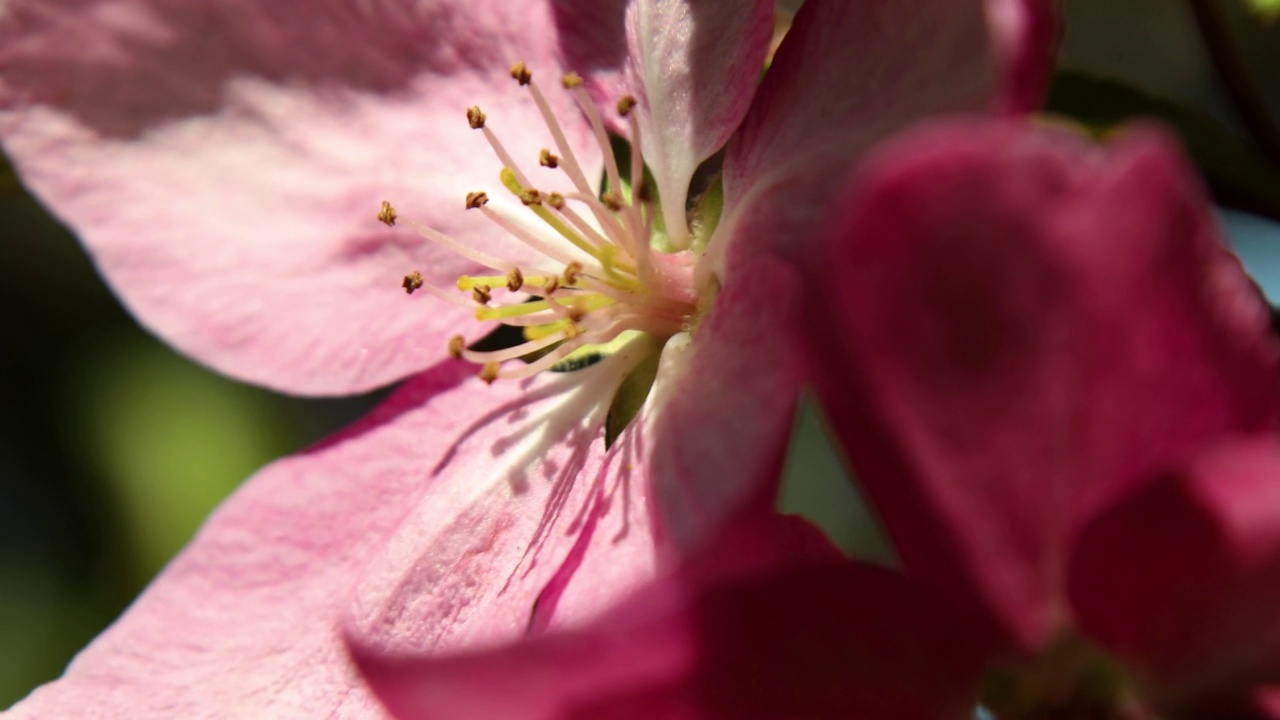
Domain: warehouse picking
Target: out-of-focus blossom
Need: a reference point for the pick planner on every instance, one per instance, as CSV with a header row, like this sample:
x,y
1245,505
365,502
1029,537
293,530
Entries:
x,y
1058,387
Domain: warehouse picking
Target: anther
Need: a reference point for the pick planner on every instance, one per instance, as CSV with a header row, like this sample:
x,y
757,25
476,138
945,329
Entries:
x,y
577,311
552,285
412,282
546,159
531,197
515,279
612,200
555,200
387,214
476,199
481,294
475,118
572,331
626,105
489,372
571,80
571,272
521,73
456,345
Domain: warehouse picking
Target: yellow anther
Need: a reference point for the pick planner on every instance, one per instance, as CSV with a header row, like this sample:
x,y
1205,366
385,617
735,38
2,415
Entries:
x,y
612,200
531,197
476,199
571,80
412,282
521,73
387,214
489,372
481,294
578,310
547,159
571,331
515,279
456,346
571,272
626,105
475,118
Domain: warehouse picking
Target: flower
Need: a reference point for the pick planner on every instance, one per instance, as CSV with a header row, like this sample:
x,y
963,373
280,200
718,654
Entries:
x,y
220,163
1058,387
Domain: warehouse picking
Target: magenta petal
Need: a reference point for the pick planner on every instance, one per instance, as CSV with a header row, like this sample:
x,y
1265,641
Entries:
x,y
224,163
441,519
1016,327
846,75
693,65
801,635
1027,34
1183,579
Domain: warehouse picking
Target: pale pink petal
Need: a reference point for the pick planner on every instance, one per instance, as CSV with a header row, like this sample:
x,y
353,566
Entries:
x,y
693,65
224,161
786,635
1014,328
846,75
439,522
1183,579
1027,34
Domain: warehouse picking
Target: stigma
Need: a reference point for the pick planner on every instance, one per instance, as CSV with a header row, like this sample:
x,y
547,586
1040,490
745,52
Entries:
x,y
602,273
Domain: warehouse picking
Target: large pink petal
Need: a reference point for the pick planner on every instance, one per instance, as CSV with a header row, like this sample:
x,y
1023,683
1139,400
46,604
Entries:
x,y
442,521
846,75
693,65
224,162
1183,579
786,634
1015,327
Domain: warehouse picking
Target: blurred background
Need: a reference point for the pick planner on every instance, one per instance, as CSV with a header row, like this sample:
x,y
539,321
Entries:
x,y
113,448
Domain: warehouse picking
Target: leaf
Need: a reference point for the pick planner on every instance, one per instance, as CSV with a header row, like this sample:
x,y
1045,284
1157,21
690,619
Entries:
x,y
1233,167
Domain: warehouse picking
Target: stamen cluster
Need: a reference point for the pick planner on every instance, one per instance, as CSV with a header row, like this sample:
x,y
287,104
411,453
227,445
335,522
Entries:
x,y
601,276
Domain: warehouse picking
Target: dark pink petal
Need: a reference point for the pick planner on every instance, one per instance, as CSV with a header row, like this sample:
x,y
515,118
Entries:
x,y
693,65
441,522
846,75
1027,34
1014,328
786,635
224,162
1183,578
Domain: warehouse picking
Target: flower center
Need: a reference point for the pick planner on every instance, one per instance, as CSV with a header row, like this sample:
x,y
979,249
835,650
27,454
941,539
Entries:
x,y
603,276
1072,679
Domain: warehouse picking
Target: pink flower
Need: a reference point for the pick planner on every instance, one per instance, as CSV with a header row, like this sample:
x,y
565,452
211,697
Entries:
x,y
1059,388
222,161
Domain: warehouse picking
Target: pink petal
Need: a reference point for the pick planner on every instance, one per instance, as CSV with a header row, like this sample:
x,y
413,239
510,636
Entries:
x,y
693,65
441,519
727,412
1183,579
784,635
1015,327
846,75
224,163
1027,34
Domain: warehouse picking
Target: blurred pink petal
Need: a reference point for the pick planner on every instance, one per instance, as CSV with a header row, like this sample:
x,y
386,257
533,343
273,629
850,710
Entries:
x,y
1019,329
1027,34
223,162
781,627
1183,578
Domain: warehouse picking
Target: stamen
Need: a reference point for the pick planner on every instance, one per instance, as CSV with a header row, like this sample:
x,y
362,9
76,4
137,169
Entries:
x,y
511,353
602,136
489,372
481,294
387,214
412,282
547,160
456,346
476,199
571,272
515,279
521,73
475,118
